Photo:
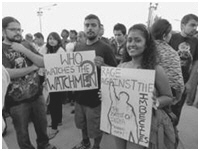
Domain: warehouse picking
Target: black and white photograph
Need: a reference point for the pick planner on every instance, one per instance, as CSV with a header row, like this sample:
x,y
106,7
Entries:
x,y
63,86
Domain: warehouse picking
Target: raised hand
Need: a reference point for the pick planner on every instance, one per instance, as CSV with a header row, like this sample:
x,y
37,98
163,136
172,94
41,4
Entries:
x,y
99,61
18,47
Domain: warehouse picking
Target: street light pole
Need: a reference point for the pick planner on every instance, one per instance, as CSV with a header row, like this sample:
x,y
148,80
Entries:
x,y
40,19
40,12
152,8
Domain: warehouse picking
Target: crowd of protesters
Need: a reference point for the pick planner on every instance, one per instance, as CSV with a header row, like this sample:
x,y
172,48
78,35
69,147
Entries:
x,y
173,56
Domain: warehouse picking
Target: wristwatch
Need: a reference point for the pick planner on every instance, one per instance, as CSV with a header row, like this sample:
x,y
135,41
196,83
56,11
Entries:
x,y
157,103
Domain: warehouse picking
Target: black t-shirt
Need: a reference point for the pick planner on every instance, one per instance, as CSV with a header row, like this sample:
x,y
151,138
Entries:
x,y
90,97
118,50
187,48
23,89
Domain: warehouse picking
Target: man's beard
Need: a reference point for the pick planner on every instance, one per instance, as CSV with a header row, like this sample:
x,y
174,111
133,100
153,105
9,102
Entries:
x,y
18,40
91,37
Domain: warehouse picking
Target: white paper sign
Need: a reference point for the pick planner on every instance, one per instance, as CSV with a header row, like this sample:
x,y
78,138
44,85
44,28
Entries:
x,y
71,71
127,103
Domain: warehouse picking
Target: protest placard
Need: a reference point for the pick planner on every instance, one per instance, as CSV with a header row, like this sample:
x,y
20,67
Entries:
x,y
127,103
72,71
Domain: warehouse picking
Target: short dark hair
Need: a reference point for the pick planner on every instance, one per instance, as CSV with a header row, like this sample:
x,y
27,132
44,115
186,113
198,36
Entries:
x,y
92,16
120,27
7,20
29,35
188,17
39,35
73,31
65,30
160,28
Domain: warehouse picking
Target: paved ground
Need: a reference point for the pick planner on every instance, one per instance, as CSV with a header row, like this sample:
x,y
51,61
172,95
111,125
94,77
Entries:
x,y
69,136
188,128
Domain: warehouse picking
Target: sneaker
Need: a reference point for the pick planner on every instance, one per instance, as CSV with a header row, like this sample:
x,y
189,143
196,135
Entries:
x,y
95,147
82,145
53,133
48,146
60,124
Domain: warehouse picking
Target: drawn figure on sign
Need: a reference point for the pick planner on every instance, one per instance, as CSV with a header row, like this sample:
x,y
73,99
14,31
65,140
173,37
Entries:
x,y
121,115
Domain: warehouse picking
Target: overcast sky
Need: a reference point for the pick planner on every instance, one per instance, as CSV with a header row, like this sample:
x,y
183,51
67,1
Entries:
x,y
70,15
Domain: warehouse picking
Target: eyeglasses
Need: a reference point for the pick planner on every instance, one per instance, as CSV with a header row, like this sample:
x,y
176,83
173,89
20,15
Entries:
x,y
15,29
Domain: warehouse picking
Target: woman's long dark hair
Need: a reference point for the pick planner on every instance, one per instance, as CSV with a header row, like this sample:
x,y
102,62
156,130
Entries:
x,y
149,54
160,28
53,49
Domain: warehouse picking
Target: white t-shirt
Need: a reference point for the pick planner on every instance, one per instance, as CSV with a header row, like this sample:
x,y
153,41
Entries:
x,y
70,47
39,48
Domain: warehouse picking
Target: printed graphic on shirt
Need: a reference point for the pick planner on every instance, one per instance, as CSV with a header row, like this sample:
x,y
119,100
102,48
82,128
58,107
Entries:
x,y
185,58
24,87
184,53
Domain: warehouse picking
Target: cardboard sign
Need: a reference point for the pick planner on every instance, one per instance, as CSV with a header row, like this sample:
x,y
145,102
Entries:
x,y
127,103
71,71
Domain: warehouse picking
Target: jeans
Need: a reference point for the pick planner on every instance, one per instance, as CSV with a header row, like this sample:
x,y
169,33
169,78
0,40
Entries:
x,y
21,116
